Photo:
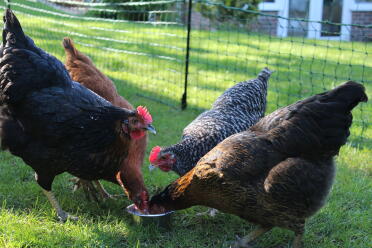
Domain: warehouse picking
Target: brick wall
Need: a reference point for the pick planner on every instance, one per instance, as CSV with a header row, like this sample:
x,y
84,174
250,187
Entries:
x,y
265,24
198,21
363,18
262,24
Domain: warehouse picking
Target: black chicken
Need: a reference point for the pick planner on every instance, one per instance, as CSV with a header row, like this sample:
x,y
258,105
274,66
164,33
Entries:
x,y
279,172
56,125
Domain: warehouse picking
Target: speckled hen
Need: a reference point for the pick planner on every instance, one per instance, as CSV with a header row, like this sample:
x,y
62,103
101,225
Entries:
x,y
238,108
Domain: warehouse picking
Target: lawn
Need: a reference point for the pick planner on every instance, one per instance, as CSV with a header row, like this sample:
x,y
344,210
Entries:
x,y
146,63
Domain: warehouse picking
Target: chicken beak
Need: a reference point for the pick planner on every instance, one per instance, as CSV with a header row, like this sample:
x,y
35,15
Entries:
x,y
152,167
151,129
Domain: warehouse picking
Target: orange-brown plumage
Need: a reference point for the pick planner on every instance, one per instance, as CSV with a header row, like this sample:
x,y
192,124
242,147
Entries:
x,y
82,70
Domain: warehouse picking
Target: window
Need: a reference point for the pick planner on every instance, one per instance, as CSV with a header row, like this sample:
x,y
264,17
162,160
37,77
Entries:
x,y
298,9
332,12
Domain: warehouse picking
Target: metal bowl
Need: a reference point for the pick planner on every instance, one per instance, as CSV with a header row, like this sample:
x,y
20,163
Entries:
x,y
161,220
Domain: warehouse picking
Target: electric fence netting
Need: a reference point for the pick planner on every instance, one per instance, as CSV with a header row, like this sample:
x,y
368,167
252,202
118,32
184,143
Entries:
x,y
163,49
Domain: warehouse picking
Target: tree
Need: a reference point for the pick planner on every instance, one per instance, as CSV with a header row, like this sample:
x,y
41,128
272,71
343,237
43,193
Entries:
x,y
135,12
221,10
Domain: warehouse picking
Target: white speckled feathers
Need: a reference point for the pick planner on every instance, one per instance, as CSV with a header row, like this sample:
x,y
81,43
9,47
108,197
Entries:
x,y
237,109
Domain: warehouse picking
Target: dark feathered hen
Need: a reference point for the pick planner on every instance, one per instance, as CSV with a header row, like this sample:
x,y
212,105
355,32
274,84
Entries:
x,y
238,108
279,172
56,125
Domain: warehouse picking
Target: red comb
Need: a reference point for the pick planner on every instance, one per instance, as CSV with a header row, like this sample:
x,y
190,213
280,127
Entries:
x,y
142,111
154,154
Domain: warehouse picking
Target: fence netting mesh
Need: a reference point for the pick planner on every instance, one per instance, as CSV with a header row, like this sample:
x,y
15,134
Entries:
x,y
142,47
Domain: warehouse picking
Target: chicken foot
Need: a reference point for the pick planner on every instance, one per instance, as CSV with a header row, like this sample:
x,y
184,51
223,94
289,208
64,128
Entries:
x,y
211,212
244,242
102,191
89,190
93,189
61,214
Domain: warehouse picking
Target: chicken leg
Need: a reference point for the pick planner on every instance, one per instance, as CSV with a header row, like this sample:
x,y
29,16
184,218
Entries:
x,y
93,189
297,242
45,182
244,242
211,212
101,190
62,215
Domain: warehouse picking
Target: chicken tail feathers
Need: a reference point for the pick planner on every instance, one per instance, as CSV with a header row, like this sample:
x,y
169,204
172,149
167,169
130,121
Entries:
x,y
320,124
331,112
349,94
23,66
13,35
68,44
265,74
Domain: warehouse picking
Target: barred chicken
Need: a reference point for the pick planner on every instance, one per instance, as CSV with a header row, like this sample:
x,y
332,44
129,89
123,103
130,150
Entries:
x,y
57,125
237,109
276,174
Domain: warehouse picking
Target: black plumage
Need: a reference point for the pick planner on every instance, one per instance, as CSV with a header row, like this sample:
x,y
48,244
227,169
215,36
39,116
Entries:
x,y
237,109
54,124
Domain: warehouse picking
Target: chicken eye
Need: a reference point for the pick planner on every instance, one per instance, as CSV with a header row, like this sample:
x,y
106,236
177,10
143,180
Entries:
x,y
135,121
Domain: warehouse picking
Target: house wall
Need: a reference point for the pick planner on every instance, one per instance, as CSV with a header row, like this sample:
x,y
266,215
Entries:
x,y
262,24
354,12
362,18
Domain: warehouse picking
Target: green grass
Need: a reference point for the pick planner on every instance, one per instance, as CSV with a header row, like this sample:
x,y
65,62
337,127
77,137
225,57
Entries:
x,y
218,59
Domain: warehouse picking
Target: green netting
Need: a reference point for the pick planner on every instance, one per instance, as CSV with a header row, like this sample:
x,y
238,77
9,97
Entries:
x,y
142,46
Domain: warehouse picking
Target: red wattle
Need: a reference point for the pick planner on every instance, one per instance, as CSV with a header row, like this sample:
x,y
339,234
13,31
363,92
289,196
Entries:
x,y
137,134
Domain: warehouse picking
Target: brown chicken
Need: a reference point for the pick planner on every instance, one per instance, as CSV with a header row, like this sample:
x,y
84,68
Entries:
x,y
279,172
82,70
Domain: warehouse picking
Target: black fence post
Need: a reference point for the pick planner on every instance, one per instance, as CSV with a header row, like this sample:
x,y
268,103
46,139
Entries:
x,y
184,96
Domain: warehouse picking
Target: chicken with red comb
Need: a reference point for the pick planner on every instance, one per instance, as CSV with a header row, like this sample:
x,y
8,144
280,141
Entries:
x,y
163,162
57,125
237,109
82,70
